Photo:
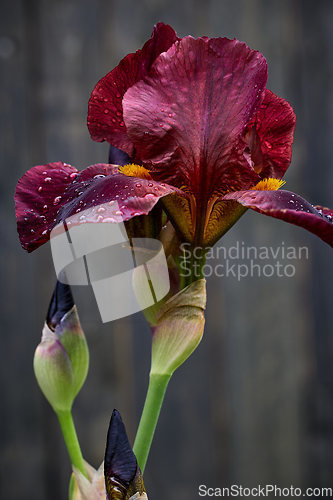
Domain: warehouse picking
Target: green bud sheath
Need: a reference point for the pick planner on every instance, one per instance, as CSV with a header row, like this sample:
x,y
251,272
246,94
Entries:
x,y
54,372
179,328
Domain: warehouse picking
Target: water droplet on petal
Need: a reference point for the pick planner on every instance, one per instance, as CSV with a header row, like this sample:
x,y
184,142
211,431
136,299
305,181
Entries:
x,y
118,212
100,209
44,232
73,175
122,124
150,184
138,185
44,207
106,111
57,200
109,219
149,196
48,179
40,189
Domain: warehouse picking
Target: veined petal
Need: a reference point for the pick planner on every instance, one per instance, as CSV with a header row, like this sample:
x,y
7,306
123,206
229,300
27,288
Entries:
x,y
187,115
105,113
270,135
290,207
110,196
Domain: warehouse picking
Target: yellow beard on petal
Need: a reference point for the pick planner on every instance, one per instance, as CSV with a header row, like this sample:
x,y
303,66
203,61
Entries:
x,y
269,184
132,170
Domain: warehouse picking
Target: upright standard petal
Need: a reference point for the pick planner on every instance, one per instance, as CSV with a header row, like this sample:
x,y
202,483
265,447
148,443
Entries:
x,y
105,113
270,135
187,115
100,191
290,207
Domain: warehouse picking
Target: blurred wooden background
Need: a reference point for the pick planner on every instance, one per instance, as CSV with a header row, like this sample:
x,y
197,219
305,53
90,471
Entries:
x,y
254,404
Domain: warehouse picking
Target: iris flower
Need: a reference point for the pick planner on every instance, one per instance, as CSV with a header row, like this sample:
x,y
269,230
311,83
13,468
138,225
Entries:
x,y
191,123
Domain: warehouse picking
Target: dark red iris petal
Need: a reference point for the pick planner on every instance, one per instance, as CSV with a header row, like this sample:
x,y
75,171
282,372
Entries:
x,y
270,135
105,113
290,207
186,117
97,194
38,197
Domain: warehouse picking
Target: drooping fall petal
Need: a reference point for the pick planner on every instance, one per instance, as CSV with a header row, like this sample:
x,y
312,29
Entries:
x,y
270,135
100,191
186,116
105,114
289,207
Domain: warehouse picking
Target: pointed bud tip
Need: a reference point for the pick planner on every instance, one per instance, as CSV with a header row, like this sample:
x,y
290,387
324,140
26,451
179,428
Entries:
x,y
122,473
61,302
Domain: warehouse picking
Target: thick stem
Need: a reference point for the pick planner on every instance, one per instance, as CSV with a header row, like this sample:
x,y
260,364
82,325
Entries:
x,y
72,443
154,399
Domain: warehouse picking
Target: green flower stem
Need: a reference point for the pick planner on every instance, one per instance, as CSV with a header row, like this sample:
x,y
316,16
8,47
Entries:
x,y
72,443
154,399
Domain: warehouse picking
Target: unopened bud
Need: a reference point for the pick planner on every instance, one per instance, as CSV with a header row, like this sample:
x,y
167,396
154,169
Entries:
x,y
62,358
179,328
123,478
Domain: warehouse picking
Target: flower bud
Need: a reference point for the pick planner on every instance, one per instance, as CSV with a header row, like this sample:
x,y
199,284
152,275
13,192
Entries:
x,y
179,328
123,478
62,358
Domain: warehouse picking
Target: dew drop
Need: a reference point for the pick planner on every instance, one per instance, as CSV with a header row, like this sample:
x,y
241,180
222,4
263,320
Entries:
x,y
47,179
32,230
149,196
44,207
100,218
40,189
108,219
106,111
122,124
170,115
118,113
99,176
150,184
100,210
44,232
118,94
138,185
73,175
57,200
118,212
